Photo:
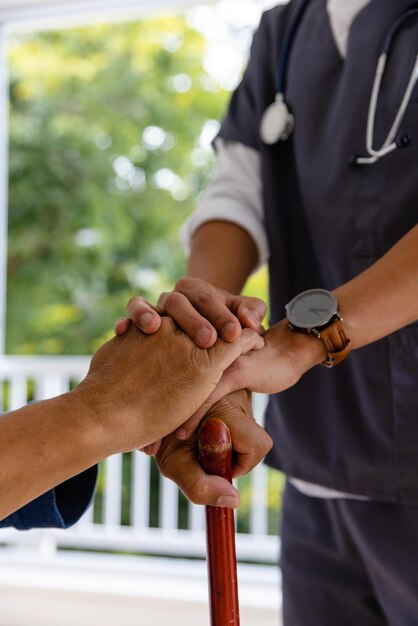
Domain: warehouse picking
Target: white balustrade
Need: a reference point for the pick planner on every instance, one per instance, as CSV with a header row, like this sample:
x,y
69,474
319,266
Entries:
x,y
113,490
140,510
18,392
169,504
196,517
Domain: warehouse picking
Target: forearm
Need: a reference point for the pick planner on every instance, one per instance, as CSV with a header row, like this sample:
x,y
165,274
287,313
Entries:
x,y
374,304
44,444
224,254
384,298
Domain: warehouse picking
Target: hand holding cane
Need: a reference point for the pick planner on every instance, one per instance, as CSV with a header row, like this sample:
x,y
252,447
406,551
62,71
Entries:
x,y
215,456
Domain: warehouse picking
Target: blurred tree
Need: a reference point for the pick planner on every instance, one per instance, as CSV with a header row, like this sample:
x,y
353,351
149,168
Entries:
x,y
110,130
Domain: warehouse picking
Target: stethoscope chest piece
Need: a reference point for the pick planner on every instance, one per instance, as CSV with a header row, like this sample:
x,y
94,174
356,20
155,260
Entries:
x,y
276,122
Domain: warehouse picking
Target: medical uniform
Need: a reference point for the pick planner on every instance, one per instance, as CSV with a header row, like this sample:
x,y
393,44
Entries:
x,y
351,433
60,507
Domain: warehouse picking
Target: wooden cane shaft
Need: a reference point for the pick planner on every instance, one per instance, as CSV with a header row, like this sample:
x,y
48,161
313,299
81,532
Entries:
x,y
215,454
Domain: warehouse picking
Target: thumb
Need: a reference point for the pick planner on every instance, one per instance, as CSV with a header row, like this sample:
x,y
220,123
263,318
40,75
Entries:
x,y
177,461
226,353
251,312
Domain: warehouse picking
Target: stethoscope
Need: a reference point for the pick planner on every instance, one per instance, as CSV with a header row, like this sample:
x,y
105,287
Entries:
x,y
277,122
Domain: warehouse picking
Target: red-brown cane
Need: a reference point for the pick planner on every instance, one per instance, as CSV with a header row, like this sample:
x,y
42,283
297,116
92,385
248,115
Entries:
x,y
215,456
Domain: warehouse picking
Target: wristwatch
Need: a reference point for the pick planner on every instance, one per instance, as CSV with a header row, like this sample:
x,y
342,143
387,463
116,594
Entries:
x,y
316,312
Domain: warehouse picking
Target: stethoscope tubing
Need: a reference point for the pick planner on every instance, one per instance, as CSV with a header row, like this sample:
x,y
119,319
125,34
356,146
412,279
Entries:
x,y
389,144
287,47
406,14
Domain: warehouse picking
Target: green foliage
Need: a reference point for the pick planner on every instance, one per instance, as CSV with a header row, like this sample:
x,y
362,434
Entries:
x,y
105,125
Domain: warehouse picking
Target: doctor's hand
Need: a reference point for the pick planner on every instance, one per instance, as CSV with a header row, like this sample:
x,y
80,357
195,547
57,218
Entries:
x,y
201,310
177,459
286,356
141,387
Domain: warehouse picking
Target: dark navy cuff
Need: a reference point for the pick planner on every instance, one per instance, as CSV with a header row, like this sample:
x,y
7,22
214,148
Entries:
x,y
60,507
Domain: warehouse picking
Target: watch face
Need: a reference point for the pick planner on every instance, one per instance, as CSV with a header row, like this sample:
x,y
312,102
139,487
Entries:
x,y
311,308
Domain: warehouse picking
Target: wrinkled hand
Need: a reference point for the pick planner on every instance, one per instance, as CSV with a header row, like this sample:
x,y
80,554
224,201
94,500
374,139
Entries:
x,y
177,459
141,387
201,310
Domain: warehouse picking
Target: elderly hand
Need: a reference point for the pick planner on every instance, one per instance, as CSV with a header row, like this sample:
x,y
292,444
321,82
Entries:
x,y
141,387
177,459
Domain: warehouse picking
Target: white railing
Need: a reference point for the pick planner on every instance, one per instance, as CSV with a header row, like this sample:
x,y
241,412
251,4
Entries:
x,y
135,509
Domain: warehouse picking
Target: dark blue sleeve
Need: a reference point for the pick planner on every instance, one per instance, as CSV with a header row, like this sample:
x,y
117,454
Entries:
x,y
60,507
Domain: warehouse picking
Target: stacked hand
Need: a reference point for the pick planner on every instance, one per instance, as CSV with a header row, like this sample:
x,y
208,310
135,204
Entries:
x,y
206,313
201,310
142,387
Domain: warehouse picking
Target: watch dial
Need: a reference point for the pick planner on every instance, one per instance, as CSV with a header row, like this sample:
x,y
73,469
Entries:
x,y
312,308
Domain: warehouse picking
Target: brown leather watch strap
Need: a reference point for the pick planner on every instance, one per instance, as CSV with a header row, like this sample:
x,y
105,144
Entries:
x,y
336,343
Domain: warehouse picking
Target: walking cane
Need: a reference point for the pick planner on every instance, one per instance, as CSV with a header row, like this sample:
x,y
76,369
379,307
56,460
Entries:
x,y
215,456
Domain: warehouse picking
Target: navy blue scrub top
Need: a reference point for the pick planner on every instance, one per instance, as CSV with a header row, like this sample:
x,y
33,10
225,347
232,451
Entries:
x,y
353,428
58,508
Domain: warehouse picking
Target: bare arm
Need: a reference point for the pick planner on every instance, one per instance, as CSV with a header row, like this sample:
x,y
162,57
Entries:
x,y
223,254
384,298
44,444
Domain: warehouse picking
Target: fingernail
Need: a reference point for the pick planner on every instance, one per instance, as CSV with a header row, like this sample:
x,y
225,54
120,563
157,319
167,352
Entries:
x,y
230,502
121,323
145,320
229,330
203,335
254,316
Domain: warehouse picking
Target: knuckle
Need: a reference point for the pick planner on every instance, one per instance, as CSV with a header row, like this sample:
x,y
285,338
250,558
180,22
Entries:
x,y
185,283
134,301
204,298
172,299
